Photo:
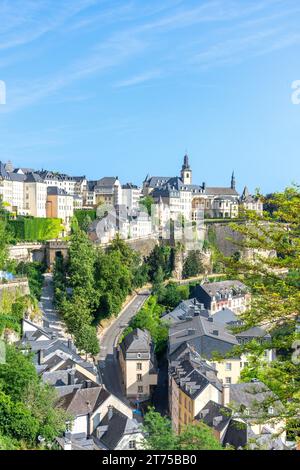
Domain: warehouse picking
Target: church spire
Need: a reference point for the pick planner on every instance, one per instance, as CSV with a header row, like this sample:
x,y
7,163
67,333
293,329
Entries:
x,y
233,182
186,165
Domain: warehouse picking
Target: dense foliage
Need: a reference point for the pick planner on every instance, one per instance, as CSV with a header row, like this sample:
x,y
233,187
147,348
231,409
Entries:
x,y
85,217
149,318
273,275
160,436
161,261
34,272
94,284
192,265
27,406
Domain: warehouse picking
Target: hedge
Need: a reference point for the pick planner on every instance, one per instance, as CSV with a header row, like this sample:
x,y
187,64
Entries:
x,y
35,229
82,214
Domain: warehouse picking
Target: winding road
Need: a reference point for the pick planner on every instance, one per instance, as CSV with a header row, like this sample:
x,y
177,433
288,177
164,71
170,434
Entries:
x,y
108,362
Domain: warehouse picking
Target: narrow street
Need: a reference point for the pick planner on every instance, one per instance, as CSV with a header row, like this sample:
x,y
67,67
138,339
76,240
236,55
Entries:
x,y
50,316
108,364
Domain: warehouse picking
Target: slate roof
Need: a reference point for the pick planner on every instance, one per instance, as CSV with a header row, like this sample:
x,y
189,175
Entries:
x,y
218,191
236,434
225,316
83,401
186,308
215,415
33,178
106,181
193,375
137,341
17,177
118,425
213,288
250,395
55,191
204,335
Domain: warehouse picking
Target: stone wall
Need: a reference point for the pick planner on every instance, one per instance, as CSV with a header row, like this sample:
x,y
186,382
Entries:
x,y
28,252
225,237
15,288
143,245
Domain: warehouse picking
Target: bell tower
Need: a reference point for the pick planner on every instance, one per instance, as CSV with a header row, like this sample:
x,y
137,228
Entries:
x,y
186,172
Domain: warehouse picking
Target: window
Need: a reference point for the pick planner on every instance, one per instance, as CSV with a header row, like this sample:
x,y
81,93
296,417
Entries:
x,y
139,377
228,366
140,389
138,366
132,445
228,380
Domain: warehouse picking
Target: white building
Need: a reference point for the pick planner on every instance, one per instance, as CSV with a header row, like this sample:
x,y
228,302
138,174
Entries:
x,y
131,196
35,195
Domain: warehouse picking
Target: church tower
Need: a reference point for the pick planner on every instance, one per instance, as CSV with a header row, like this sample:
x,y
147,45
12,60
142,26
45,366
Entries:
x,y
186,172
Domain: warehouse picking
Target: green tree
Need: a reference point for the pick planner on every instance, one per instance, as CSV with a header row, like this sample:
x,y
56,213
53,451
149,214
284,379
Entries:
x,y
149,318
161,257
114,281
197,436
40,399
170,295
147,202
17,373
86,340
4,239
76,312
16,420
81,265
159,435
158,281
272,274
193,264
158,432
27,406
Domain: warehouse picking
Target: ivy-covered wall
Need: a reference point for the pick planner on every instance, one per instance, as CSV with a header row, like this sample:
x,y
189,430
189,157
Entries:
x,y
35,229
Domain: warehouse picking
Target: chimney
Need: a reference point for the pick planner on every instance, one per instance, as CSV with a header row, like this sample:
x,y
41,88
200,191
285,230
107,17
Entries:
x,y
110,412
71,377
226,394
41,356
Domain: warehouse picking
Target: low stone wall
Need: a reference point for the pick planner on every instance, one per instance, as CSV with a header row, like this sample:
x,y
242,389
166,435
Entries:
x,y
14,288
28,252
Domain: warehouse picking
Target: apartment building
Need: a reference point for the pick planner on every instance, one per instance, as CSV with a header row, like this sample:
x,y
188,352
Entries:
x,y
131,195
59,204
137,361
207,336
231,294
35,195
192,383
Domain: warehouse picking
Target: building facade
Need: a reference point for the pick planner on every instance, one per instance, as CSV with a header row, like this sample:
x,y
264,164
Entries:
x,y
137,361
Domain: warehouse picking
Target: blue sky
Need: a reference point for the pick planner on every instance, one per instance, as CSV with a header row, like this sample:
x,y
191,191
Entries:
x,y
107,87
